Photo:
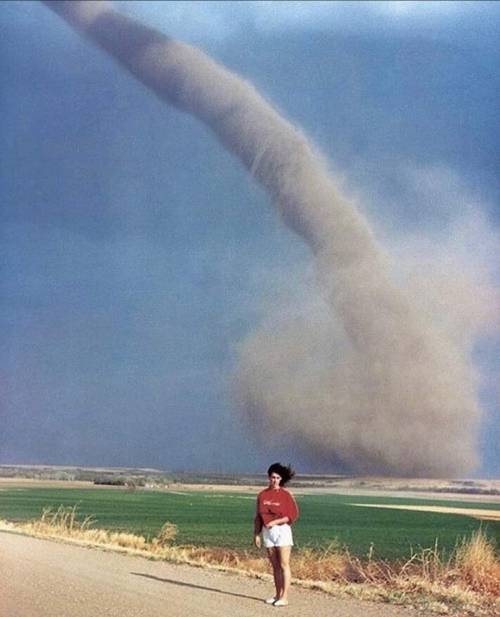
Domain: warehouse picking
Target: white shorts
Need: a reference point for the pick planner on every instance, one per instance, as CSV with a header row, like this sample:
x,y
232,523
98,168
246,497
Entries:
x,y
278,535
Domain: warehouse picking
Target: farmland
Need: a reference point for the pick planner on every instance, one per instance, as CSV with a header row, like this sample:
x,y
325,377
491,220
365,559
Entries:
x,y
223,519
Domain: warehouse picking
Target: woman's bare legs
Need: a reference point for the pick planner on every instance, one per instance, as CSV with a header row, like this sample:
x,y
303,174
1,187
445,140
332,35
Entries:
x,y
279,556
286,575
274,558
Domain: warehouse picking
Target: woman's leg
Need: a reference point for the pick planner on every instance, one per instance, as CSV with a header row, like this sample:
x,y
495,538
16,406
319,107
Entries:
x,y
286,575
274,558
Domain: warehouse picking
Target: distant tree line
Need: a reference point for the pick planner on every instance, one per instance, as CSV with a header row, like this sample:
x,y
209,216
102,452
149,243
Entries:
x,y
132,478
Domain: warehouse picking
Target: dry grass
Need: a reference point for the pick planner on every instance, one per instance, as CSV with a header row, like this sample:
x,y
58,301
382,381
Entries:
x,y
63,523
165,536
478,565
465,583
468,581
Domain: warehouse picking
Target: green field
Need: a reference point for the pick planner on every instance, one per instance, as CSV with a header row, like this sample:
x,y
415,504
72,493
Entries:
x,y
225,519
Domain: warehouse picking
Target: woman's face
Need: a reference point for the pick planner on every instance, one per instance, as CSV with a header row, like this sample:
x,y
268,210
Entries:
x,y
274,480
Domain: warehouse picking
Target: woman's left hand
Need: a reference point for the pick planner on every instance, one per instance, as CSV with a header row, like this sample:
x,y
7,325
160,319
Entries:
x,y
277,521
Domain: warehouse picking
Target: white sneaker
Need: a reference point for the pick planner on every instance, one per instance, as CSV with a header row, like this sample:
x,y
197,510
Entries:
x,y
270,600
281,603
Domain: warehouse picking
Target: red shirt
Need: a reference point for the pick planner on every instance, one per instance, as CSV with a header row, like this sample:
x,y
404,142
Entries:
x,y
273,504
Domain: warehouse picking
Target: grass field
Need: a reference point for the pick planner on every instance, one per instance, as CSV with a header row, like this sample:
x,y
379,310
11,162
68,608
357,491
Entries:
x,y
225,519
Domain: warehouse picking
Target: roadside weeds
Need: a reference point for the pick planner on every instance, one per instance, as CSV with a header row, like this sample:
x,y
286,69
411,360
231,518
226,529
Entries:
x,y
465,583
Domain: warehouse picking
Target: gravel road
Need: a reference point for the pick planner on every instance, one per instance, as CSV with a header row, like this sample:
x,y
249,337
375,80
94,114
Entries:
x,y
42,578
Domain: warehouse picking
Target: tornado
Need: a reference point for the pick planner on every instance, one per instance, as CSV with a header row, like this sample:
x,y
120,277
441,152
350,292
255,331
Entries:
x,y
373,382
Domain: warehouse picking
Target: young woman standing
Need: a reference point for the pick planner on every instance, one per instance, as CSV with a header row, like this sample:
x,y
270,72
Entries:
x,y
276,512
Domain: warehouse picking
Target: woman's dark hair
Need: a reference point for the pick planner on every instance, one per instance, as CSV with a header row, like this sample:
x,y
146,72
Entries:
x,y
285,471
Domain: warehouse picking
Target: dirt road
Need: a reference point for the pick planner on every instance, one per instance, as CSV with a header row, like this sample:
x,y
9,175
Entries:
x,y
41,578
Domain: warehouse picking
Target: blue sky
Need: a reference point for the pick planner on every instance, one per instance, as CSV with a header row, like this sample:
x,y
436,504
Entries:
x,y
137,254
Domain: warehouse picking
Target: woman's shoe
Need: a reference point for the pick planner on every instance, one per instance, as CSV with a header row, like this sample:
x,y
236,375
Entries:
x,y
270,600
281,603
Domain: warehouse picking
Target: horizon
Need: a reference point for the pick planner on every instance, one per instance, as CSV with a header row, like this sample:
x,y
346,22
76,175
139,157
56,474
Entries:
x,y
231,474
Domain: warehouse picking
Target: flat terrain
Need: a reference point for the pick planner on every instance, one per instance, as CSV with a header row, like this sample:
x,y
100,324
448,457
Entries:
x,y
391,526
482,514
40,578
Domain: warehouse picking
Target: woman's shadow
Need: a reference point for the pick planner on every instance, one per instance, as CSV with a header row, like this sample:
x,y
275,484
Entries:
x,y
192,586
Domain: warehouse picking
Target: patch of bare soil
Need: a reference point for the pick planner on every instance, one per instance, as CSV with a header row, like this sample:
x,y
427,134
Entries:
x,y
480,513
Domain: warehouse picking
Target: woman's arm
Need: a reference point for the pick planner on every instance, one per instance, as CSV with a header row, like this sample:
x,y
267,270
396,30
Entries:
x,y
257,521
257,526
291,509
278,521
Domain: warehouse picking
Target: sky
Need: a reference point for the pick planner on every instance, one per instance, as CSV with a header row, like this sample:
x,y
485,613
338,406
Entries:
x,y
137,254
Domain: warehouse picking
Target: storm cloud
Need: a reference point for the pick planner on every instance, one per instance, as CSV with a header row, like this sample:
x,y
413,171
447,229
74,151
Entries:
x,y
361,373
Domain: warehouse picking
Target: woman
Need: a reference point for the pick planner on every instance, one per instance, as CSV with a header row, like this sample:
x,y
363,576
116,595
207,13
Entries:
x,y
276,512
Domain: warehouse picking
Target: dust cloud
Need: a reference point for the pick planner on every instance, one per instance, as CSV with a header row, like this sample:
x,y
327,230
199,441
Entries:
x,y
364,377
